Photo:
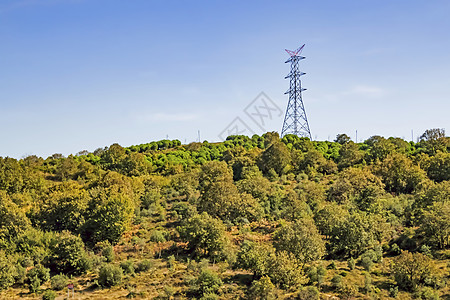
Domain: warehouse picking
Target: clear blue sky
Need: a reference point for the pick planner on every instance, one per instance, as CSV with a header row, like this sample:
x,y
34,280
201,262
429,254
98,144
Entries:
x,y
83,74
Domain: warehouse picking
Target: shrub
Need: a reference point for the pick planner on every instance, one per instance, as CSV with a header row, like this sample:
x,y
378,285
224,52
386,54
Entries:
x,y
367,263
336,281
39,271
351,263
127,266
108,253
171,262
34,283
109,275
308,293
49,295
59,282
411,269
210,296
7,272
262,289
144,265
427,293
208,282
393,292
68,255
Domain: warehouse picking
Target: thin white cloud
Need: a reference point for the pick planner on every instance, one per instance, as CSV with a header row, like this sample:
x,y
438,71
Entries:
x,y
365,91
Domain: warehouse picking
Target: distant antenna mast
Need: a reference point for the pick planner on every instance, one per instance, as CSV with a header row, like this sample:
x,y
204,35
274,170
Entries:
x,y
295,121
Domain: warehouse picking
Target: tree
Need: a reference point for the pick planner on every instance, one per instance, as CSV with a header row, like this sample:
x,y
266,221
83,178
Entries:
x,y
285,270
357,233
302,239
7,271
109,215
439,167
412,269
356,185
64,208
342,139
399,174
435,224
276,156
329,217
350,155
255,257
67,254
434,140
13,220
205,235
219,197
110,275
262,289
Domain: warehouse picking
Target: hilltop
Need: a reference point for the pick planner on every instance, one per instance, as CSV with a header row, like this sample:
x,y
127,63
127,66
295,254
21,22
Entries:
x,y
258,217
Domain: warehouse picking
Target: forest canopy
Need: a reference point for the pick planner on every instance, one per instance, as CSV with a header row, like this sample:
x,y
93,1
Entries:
x,y
258,217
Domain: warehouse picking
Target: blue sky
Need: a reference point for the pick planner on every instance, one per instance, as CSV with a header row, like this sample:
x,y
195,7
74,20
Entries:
x,y
83,74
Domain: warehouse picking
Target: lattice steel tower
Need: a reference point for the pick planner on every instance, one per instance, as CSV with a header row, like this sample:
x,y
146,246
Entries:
x,y
295,121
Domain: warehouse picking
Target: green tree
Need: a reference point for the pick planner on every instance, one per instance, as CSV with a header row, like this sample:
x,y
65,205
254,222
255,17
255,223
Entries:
x,y
357,233
275,157
439,167
109,215
219,197
433,140
67,254
342,139
412,269
110,275
435,225
302,239
205,235
7,271
255,257
64,208
13,220
262,289
399,174
208,281
285,270
350,155
330,217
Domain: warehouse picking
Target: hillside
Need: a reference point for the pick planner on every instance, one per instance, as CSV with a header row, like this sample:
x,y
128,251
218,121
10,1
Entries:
x,y
249,218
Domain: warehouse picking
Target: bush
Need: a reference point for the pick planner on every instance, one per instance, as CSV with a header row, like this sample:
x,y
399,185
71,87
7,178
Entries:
x,y
49,295
351,263
285,271
59,282
336,281
262,289
127,266
208,282
68,255
171,262
37,276
393,292
427,293
210,296
144,265
7,272
367,263
412,269
109,275
108,253
308,293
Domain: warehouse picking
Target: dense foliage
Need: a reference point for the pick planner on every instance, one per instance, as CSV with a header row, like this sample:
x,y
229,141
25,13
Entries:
x,y
261,218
